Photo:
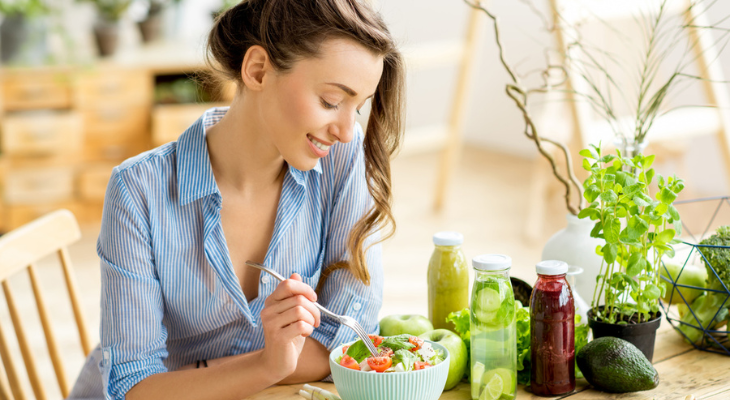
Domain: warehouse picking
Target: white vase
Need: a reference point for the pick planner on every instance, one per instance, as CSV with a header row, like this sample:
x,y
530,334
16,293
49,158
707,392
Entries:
x,y
575,246
581,307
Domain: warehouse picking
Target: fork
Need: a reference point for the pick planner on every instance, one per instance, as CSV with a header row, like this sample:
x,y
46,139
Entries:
x,y
342,319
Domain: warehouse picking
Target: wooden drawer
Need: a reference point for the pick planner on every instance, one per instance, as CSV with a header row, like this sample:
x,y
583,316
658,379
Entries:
x,y
114,122
41,133
39,185
33,89
93,182
114,87
170,121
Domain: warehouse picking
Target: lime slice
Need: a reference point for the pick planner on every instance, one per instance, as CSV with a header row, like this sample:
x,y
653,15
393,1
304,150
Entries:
x,y
493,389
506,377
477,372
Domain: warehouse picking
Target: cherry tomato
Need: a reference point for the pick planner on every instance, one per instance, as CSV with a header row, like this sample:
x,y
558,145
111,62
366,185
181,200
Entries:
x,y
376,339
344,349
420,365
349,362
416,341
385,351
380,364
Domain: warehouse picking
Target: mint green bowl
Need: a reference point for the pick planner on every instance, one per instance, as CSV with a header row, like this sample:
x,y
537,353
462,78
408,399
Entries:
x,y
425,384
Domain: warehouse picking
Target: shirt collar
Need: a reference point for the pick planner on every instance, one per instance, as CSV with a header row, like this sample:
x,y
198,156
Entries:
x,y
194,172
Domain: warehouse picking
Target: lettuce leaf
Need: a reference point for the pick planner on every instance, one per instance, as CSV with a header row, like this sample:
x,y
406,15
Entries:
x,y
522,316
358,351
405,357
581,339
396,343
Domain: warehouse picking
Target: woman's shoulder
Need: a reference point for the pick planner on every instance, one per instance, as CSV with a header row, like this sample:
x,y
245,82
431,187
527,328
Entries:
x,y
146,169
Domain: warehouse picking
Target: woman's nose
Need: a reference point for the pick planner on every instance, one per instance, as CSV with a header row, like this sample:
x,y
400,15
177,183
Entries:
x,y
343,129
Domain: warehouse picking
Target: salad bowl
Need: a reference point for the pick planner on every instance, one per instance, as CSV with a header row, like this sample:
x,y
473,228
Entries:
x,y
424,384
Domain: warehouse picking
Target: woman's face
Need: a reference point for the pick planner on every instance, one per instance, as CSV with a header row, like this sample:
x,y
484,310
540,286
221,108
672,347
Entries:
x,y
311,107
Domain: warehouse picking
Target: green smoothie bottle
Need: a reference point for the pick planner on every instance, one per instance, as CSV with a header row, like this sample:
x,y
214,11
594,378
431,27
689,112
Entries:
x,y
448,279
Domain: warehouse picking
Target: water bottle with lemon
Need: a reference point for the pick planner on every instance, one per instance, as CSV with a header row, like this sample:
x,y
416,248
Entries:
x,y
493,330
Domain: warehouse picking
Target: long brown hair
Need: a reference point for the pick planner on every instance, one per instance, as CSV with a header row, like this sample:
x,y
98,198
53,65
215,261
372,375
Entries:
x,y
290,30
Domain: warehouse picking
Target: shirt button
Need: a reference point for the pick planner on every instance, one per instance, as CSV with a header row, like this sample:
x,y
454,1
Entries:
x,y
356,306
265,279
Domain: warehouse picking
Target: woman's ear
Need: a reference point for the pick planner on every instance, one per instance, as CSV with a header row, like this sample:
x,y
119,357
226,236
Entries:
x,y
254,67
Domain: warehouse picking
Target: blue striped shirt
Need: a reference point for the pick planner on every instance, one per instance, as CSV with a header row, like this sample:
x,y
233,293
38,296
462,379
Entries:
x,y
170,295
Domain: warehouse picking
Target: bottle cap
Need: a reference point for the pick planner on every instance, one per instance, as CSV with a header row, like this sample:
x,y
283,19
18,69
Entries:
x,y
448,238
491,262
551,267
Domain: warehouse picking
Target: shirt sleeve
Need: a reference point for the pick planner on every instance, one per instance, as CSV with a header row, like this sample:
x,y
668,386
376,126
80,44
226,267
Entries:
x,y
343,293
132,334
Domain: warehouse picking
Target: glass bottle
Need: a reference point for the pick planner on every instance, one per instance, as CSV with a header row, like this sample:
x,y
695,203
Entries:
x,y
448,279
493,330
552,331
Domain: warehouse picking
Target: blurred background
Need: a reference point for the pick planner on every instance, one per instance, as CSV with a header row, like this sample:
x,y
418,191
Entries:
x,y
87,84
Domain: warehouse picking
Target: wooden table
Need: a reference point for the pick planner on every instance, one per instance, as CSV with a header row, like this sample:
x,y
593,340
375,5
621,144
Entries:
x,y
683,371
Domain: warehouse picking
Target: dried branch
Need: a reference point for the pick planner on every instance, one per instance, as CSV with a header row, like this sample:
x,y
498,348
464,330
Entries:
x,y
518,94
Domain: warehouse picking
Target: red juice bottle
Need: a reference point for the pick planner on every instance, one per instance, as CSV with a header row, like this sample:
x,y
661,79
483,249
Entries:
x,y
552,331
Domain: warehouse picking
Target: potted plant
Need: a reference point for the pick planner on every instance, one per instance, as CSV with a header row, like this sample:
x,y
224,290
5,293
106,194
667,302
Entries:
x,y
638,230
23,31
609,91
106,29
150,26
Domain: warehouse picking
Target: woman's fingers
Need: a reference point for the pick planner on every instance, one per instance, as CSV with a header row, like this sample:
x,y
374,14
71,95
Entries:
x,y
283,306
292,287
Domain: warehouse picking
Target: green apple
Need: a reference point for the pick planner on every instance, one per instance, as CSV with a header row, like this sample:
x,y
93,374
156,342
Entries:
x,y
692,275
457,352
413,325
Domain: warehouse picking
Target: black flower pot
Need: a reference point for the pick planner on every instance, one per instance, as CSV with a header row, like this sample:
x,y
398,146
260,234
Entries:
x,y
150,28
642,335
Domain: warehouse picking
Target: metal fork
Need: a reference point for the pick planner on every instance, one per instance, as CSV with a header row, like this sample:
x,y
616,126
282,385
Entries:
x,y
343,319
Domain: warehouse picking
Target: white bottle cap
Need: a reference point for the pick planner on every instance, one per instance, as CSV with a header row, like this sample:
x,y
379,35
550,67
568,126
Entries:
x,y
448,238
551,267
491,262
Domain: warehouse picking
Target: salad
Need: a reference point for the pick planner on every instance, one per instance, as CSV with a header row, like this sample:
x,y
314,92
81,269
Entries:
x,y
396,354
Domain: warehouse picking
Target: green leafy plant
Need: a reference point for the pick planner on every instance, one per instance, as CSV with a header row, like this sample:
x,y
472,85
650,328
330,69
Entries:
x,y
638,231
111,10
26,8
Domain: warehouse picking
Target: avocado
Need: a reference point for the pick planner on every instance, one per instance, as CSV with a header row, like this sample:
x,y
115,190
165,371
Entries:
x,y
617,366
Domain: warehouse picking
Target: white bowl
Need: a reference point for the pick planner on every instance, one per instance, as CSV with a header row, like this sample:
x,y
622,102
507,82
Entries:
x,y
425,384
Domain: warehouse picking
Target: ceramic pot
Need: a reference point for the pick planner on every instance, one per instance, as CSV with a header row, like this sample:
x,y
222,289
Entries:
x,y
23,40
150,28
107,37
575,246
641,335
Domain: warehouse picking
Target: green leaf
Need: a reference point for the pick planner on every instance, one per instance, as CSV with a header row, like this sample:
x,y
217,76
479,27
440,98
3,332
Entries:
x,y
597,229
589,212
588,153
636,264
358,351
608,180
611,229
666,196
652,292
649,176
586,165
636,227
664,236
642,200
609,197
609,252
406,357
591,193
661,209
673,213
606,159
648,161
397,342
678,186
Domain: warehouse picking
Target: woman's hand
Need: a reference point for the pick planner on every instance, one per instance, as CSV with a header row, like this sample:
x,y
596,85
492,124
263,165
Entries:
x,y
288,318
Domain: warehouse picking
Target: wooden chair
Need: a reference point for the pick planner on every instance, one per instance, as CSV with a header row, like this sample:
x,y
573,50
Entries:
x,y
20,249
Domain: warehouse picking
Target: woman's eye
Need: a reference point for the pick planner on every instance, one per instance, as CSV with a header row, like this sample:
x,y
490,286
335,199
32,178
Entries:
x,y
328,105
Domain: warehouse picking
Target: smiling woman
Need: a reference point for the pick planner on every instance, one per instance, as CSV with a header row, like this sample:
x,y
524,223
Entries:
x,y
284,177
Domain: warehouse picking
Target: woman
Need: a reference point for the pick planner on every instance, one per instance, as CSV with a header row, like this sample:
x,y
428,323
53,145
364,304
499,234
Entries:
x,y
283,177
